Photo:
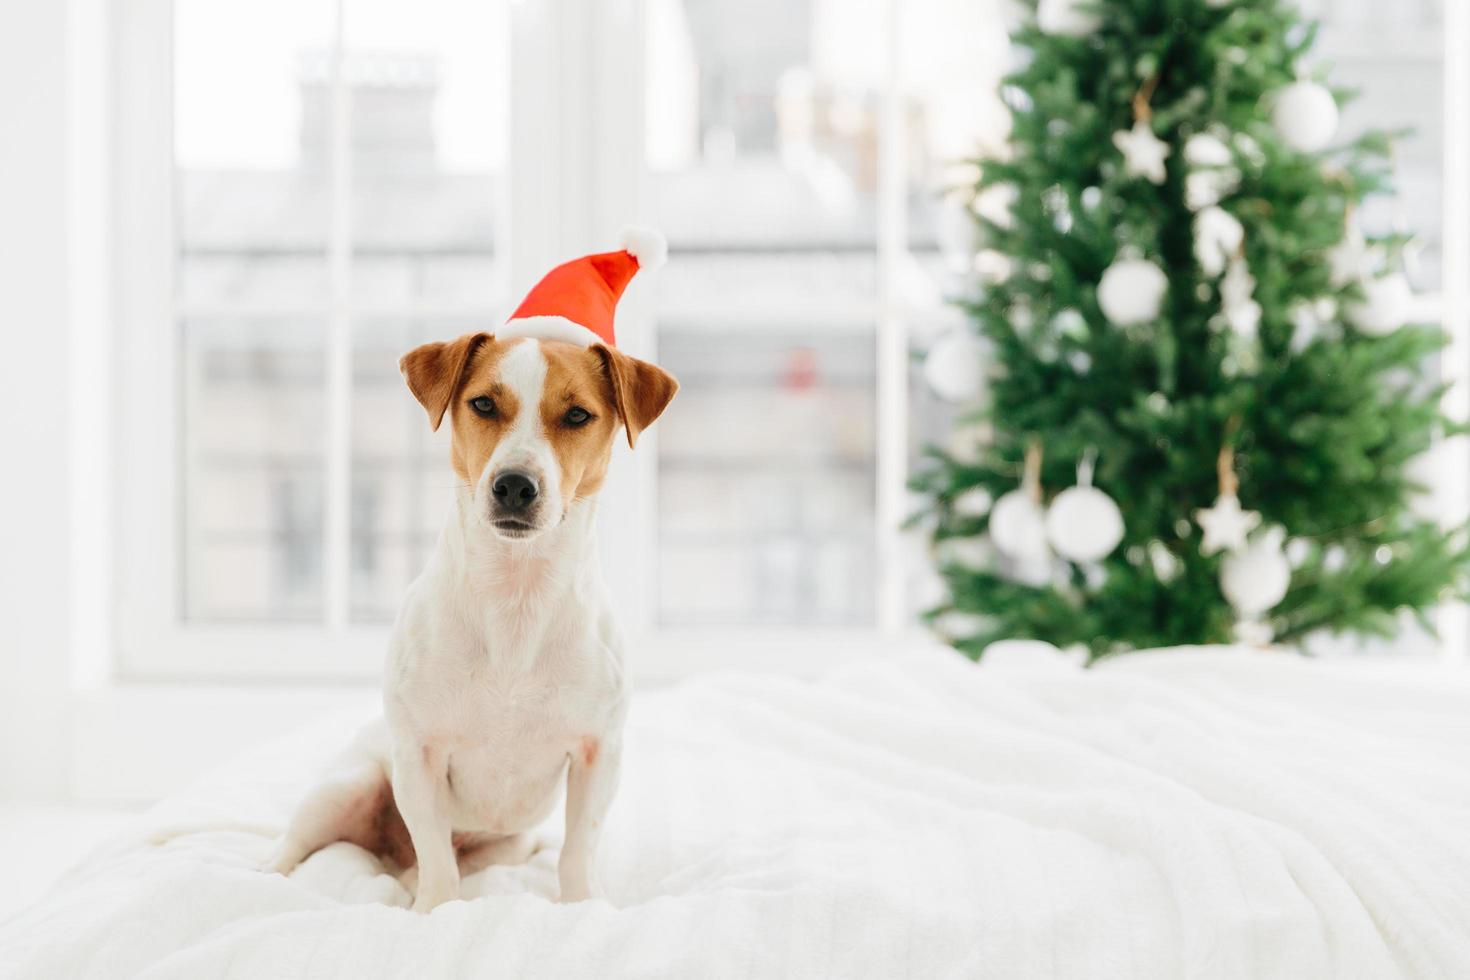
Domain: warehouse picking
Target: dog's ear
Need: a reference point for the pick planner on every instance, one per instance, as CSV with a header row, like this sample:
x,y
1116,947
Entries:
x,y
435,371
641,390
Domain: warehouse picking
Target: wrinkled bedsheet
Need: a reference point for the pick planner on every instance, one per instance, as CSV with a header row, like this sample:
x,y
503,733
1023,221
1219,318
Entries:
x,y
1201,813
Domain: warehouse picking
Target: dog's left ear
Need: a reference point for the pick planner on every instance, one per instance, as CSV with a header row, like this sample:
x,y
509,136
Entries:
x,y
435,371
642,390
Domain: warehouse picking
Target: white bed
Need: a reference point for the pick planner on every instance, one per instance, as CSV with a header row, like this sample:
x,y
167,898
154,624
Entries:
x,y
1204,813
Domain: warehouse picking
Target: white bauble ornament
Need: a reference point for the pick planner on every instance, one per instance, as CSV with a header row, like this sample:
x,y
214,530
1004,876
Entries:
x,y
1212,173
1131,291
974,502
1237,301
1164,562
967,442
955,366
1306,326
1244,319
1071,324
1225,524
1255,578
1334,559
1239,286
973,553
1018,527
1083,523
1143,152
1305,114
1349,258
1218,235
1204,188
1067,18
992,267
1385,306
1206,150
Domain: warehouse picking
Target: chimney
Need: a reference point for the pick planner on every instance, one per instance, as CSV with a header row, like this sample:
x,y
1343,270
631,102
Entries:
x,y
392,111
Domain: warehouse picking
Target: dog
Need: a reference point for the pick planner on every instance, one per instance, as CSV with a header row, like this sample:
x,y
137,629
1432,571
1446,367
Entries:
x,y
505,680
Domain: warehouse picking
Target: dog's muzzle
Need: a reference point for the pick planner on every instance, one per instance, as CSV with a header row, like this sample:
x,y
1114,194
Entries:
x,y
515,503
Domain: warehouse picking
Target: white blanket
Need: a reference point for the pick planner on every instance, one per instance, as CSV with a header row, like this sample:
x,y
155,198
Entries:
x,y
1214,813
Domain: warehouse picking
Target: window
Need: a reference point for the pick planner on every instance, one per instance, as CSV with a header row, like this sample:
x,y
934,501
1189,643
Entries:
x,y
1393,56
342,174
336,206
797,156
335,170
351,178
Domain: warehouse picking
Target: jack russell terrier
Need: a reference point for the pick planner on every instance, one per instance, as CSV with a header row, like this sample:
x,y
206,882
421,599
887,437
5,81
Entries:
x,y
505,668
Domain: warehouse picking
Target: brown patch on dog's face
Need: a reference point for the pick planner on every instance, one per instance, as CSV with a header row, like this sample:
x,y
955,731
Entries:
x,y
641,390
580,415
475,431
533,420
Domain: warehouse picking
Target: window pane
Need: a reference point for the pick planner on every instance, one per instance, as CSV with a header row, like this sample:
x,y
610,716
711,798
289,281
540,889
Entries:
x,y
766,477
258,172
763,165
428,91
252,480
1392,54
402,485
252,288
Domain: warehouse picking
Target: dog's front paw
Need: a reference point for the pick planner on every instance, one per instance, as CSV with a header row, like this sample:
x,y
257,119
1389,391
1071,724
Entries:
x,y
430,897
283,859
576,890
424,904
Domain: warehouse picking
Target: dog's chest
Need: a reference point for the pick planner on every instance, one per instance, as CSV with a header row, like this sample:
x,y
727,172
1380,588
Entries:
x,y
509,715
507,707
509,751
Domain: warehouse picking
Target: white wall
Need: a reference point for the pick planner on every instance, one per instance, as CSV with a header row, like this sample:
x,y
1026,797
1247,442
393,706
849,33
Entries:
x,y
36,401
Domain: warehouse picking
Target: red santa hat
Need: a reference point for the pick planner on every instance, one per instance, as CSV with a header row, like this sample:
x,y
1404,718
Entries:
x,y
576,300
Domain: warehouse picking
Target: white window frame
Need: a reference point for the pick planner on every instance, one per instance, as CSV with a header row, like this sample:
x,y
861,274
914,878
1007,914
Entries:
x,y
575,184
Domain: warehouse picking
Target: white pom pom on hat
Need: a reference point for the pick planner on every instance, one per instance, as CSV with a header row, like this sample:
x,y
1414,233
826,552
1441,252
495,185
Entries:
x,y
647,245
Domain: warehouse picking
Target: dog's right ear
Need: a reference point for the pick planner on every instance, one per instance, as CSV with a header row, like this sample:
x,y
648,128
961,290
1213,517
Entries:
x,y
435,371
641,390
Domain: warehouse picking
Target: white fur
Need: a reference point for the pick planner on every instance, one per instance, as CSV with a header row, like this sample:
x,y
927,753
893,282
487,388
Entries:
x,y
648,246
525,447
504,679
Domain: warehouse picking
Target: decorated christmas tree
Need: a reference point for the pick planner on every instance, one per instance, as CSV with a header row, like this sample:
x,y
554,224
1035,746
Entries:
x,y
1193,393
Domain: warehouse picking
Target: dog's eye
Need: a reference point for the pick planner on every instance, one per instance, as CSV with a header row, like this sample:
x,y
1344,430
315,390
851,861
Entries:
x,y
577,416
483,406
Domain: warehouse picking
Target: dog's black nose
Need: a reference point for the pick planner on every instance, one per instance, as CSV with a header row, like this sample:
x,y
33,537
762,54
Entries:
x,y
514,491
